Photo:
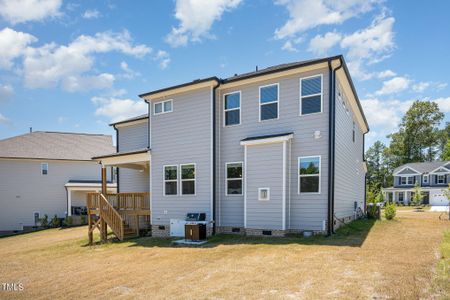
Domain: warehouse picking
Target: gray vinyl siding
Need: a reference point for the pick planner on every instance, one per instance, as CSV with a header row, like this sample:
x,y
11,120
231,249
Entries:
x,y
131,180
133,137
307,211
265,170
23,190
180,137
349,176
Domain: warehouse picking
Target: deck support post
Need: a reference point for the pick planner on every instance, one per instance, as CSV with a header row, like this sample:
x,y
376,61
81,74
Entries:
x,y
90,232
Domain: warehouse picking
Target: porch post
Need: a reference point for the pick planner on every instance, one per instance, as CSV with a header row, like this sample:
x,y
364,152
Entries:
x,y
69,202
104,180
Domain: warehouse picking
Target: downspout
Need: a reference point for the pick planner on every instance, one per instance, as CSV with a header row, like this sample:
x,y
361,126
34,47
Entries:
x,y
331,143
214,155
365,175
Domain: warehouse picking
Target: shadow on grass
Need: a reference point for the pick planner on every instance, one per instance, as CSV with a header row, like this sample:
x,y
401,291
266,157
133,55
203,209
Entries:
x,y
350,235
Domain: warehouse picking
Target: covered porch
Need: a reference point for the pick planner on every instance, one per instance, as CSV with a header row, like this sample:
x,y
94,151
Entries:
x,y
126,213
404,196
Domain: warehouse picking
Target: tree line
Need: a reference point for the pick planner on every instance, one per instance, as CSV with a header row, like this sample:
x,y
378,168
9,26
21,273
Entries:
x,y
420,138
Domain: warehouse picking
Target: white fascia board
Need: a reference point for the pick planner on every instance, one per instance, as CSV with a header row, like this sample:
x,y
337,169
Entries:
x,y
278,139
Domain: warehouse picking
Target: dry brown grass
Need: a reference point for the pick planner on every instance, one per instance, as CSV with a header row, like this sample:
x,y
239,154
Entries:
x,y
391,259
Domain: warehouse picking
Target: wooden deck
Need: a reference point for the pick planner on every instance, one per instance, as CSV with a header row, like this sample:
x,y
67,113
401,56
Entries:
x,y
124,213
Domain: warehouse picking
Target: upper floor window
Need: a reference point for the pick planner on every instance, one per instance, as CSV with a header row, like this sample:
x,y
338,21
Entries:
x,y
234,179
309,174
268,102
407,180
162,107
311,95
44,168
425,178
171,180
232,109
441,179
187,179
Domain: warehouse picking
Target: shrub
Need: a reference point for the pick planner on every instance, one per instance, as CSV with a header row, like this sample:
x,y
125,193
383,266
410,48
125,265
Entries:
x,y
390,211
68,221
56,222
44,221
83,220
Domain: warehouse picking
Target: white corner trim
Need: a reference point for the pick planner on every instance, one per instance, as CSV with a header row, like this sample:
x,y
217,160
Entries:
x,y
245,186
283,197
268,140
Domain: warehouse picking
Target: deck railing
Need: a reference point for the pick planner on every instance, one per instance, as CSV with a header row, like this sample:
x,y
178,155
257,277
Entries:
x,y
121,201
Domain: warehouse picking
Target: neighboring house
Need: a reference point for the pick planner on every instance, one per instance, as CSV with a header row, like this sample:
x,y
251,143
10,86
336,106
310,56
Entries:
x,y
268,152
48,173
432,177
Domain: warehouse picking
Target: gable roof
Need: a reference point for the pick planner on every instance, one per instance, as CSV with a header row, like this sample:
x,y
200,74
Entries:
x,y
422,167
56,145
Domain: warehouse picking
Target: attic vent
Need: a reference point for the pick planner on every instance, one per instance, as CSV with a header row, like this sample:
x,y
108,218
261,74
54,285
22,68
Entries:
x,y
267,232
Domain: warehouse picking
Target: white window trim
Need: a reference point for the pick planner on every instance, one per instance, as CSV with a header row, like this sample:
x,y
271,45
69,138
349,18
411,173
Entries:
x,y
442,176
169,180
426,178
277,102
226,179
163,111
42,169
232,109
268,194
407,179
309,175
194,180
312,95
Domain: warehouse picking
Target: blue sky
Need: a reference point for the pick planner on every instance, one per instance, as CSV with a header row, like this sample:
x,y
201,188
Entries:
x,y
79,65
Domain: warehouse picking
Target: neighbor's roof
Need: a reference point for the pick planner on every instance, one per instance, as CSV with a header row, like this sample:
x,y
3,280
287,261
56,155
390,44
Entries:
x,y
423,167
56,145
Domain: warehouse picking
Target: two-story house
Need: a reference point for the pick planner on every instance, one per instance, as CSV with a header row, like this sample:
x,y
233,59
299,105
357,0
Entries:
x,y
432,177
268,152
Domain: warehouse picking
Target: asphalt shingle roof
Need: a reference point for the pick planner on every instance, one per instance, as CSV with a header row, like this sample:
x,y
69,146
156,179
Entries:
x,y
56,145
423,167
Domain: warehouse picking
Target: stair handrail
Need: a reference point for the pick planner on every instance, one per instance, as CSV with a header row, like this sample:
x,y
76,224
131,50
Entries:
x,y
111,216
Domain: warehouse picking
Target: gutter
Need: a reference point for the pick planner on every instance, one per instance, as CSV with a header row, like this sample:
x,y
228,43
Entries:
x,y
331,143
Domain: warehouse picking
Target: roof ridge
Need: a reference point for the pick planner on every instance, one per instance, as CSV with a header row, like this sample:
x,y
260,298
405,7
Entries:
x,y
67,132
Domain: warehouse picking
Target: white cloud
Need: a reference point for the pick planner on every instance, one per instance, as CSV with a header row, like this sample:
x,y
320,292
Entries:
x,y
372,43
421,86
307,14
196,19
91,14
319,45
6,92
52,65
444,104
384,116
163,58
129,73
289,47
118,109
394,85
12,45
20,11
386,74
4,120
441,85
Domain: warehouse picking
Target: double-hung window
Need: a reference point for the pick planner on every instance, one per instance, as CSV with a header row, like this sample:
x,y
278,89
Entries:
x,y
268,102
311,95
162,107
232,109
309,174
187,179
171,180
425,178
407,180
233,179
441,179
44,168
